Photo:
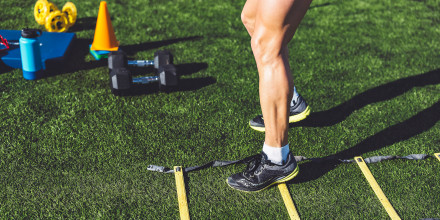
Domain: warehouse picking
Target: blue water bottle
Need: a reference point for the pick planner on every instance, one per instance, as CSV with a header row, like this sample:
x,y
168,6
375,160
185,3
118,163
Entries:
x,y
30,54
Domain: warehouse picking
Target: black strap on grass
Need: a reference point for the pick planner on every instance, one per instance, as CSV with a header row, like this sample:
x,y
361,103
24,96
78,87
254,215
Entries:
x,y
215,163
376,159
221,163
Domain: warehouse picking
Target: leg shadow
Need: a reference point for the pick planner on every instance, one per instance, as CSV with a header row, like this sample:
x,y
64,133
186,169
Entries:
x,y
80,49
421,122
134,48
84,24
4,68
320,5
381,93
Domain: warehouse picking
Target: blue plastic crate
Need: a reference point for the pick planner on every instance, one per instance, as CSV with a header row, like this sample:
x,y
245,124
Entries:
x,y
54,48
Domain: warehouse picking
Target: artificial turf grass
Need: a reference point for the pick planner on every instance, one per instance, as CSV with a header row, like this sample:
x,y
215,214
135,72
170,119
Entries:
x,y
307,196
68,129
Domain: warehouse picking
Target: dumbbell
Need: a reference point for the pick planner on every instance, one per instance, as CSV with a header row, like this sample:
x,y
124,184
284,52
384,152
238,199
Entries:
x,y
118,59
121,79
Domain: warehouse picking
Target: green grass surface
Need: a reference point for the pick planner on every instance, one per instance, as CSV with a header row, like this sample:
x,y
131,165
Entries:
x,y
370,70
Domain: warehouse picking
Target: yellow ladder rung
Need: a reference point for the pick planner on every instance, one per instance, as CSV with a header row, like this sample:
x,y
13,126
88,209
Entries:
x,y
288,201
181,193
376,188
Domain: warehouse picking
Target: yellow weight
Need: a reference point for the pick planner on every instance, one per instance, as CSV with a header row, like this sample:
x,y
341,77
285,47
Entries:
x,y
70,10
52,7
41,10
56,22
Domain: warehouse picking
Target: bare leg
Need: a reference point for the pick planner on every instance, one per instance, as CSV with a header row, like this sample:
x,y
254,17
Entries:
x,y
271,25
274,26
248,15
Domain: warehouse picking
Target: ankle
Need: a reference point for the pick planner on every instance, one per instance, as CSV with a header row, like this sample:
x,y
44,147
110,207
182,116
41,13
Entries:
x,y
277,155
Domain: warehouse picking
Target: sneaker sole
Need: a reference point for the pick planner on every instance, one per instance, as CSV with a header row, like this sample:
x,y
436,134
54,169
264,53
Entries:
x,y
292,119
282,180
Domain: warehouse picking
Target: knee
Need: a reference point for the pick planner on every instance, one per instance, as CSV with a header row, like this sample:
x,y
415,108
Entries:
x,y
244,18
247,21
265,49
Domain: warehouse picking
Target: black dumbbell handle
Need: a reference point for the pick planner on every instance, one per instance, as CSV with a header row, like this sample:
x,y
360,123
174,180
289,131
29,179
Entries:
x,y
146,79
140,63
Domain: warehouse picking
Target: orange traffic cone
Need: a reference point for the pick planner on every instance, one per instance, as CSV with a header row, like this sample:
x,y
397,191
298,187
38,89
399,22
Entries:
x,y
105,38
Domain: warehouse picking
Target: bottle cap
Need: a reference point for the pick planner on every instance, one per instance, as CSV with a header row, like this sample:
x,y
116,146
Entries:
x,y
31,33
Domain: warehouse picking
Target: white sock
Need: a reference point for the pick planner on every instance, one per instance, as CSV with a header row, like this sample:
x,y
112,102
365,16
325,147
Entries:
x,y
276,155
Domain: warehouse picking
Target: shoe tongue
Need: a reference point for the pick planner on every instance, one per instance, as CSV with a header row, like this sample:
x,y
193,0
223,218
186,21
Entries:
x,y
263,155
265,159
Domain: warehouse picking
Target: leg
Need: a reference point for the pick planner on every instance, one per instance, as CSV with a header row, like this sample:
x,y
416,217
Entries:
x,y
299,108
275,25
248,15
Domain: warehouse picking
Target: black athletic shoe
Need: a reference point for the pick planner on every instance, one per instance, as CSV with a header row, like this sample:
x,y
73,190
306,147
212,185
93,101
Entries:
x,y
261,173
299,111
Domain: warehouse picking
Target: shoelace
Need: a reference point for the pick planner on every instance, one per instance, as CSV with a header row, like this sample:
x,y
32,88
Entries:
x,y
255,165
252,165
